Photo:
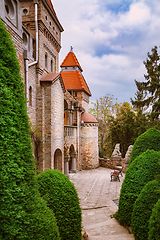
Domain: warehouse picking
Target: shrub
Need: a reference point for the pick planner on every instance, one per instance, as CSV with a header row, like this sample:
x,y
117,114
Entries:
x,y
61,196
140,172
142,209
23,213
154,223
148,140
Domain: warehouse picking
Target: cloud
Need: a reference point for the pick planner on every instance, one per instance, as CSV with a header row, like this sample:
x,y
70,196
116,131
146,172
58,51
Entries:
x,y
137,16
111,40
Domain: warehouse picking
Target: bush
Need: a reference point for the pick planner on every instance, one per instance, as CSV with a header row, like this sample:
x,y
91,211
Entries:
x,y
141,171
142,209
62,198
23,213
148,140
154,223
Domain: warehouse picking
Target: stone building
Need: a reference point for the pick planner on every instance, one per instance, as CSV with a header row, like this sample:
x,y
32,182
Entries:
x,y
65,135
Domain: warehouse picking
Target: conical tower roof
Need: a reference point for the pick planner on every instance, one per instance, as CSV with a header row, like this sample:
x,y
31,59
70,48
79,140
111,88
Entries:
x,y
72,78
71,61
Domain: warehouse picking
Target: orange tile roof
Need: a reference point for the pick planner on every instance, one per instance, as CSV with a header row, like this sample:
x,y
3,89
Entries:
x,y
73,80
71,61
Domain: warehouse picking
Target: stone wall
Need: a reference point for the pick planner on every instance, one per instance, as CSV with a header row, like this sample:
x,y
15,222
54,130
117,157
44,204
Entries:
x,y
89,146
116,160
33,98
57,121
13,22
52,123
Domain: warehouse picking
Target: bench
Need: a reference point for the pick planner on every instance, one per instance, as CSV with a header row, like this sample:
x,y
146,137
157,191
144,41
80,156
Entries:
x,y
116,174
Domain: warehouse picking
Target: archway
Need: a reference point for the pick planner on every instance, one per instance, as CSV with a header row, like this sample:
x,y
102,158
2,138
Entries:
x,y
58,160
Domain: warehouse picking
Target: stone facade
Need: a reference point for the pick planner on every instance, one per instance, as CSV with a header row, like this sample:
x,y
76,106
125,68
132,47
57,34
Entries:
x,y
59,140
89,149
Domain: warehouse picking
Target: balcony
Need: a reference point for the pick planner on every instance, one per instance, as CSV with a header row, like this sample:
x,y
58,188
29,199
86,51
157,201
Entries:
x,y
70,131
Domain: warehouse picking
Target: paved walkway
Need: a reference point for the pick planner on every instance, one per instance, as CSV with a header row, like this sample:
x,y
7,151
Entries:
x,y
97,195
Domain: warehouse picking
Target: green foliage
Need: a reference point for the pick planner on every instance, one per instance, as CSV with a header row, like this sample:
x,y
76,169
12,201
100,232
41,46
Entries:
x,y
148,140
122,126
23,213
118,123
148,91
154,223
142,209
61,196
141,171
141,124
102,110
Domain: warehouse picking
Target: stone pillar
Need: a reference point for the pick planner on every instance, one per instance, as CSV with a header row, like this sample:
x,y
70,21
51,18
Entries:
x,y
70,116
74,157
66,166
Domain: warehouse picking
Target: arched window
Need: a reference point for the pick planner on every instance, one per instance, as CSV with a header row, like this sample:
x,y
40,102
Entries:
x,y
46,60
30,96
51,65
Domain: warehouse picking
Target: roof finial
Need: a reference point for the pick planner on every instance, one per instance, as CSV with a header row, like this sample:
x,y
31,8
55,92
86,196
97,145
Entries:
x,y
71,49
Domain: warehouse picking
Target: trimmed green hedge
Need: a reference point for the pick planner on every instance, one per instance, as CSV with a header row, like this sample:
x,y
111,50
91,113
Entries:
x,y
61,196
23,213
141,171
148,140
142,209
154,223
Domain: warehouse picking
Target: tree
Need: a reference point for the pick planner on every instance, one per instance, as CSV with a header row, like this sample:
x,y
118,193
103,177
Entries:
x,y
148,93
102,111
122,126
23,213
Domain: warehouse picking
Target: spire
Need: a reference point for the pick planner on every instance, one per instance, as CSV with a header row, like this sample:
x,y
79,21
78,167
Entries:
x,y
71,60
71,50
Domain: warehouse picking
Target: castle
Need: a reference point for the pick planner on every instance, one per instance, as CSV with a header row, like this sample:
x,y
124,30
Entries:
x,y
65,135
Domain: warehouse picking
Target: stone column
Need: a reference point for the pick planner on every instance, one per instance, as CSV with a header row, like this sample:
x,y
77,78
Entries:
x,y
66,166
70,116
74,157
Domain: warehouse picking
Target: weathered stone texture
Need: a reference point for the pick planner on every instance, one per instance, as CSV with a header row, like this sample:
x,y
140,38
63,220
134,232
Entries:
x,y
46,100
89,146
32,99
57,120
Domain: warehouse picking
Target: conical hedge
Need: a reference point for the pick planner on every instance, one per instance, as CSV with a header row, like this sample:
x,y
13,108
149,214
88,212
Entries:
x,y
148,140
142,209
141,171
61,196
23,213
154,223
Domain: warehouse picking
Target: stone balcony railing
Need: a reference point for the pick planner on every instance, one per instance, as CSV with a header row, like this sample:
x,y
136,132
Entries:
x,y
70,131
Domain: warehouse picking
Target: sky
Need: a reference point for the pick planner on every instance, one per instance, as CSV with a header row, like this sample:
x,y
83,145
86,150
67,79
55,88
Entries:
x,y
111,39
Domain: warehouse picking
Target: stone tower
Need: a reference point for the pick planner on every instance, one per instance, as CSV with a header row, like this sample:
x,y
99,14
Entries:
x,y
63,138
76,85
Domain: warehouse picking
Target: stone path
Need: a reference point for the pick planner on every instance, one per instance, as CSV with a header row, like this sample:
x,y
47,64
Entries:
x,y
96,194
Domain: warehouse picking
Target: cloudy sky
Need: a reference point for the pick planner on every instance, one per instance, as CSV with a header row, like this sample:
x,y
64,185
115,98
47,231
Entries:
x,y
111,39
